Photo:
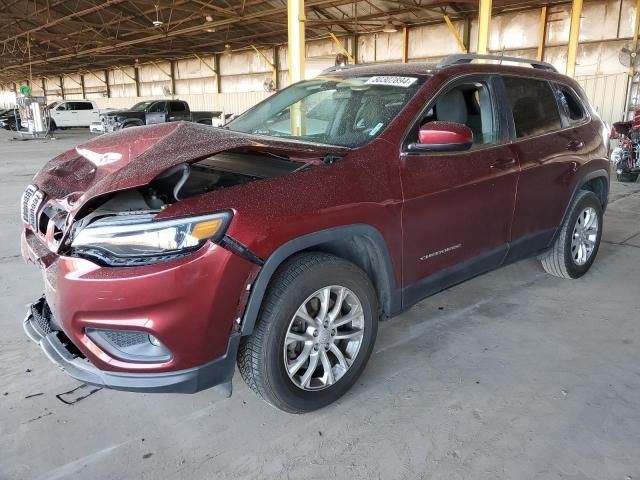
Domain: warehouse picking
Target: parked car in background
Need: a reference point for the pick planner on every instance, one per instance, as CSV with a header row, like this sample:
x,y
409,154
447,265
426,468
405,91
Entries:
x,y
153,112
170,251
72,113
10,119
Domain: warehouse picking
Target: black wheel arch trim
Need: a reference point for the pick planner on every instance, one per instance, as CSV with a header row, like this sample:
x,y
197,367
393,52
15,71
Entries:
x,y
392,294
582,179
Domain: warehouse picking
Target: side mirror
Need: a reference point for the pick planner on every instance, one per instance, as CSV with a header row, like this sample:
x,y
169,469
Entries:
x,y
443,137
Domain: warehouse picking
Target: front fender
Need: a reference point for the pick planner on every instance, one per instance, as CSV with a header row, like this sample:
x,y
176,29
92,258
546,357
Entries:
x,y
390,298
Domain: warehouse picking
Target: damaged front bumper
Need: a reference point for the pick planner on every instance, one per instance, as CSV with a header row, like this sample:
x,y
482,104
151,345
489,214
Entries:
x,y
41,327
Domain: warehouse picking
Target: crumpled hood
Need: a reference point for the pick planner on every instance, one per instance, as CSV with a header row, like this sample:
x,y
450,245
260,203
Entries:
x,y
133,157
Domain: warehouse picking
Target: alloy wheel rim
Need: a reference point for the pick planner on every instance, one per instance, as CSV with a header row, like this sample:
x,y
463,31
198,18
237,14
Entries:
x,y
324,338
585,234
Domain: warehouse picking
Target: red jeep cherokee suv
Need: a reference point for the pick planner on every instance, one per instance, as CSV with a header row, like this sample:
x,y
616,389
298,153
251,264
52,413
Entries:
x,y
169,252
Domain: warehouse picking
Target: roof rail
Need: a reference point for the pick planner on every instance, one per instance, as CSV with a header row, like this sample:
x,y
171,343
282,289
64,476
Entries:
x,y
338,68
468,58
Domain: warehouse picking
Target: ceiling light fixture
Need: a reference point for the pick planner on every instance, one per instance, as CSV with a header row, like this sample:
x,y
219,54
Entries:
x,y
389,27
157,22
227,49
211,30
209,18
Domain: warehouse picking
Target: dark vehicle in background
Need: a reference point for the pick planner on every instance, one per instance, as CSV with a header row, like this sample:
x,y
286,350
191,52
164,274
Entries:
x,y
171,252
10,119
153,112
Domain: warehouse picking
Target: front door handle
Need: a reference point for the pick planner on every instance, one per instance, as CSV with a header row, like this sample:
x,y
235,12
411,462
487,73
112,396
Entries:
x,y
575,145
503,163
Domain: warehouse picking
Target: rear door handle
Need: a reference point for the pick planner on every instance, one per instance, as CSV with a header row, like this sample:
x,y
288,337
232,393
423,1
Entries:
x,y
503,163
575,145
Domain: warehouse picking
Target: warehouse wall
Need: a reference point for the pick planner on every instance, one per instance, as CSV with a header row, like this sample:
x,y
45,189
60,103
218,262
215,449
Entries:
x,y
607,26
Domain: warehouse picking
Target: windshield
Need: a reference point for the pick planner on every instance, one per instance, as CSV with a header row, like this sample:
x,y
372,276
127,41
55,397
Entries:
x,y
52,105
139,107
347,112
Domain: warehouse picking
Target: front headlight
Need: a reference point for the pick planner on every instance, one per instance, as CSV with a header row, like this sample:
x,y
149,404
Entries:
x,y
139,240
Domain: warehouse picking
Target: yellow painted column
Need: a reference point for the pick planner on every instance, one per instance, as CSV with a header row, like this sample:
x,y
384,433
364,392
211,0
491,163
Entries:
x,y
542,34
296,50
574,36
484,26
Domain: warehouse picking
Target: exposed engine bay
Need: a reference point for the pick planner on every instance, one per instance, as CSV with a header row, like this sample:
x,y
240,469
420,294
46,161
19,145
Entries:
x,y
224,170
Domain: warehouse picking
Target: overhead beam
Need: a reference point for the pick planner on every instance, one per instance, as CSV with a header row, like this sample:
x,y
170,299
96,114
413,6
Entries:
x,y
574,37
172,33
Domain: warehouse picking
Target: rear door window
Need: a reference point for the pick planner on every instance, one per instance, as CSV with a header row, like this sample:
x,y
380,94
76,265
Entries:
x,y
534,106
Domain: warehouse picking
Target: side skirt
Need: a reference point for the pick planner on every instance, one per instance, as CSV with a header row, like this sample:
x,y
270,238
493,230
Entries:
x,y
522,248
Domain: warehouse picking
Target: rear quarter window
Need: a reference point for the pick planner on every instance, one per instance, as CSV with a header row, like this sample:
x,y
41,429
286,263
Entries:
x,y
534,106
573,107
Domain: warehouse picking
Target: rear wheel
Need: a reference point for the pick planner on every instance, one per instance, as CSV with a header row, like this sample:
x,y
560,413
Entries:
x,y
627,177
314,336
577,245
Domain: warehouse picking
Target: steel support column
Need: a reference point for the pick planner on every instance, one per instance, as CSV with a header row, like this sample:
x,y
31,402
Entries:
x,y
106,83
405,44
296,51
216,66
574,36
542,34
62,86
296,19
136,79
172,71
83,89
484,25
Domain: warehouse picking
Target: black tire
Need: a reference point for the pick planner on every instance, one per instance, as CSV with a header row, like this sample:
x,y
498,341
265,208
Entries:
x,y
627,177
559,260
260,357
129,125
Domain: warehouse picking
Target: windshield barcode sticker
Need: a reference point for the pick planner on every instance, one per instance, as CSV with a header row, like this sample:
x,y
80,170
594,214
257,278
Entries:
x,y
403,82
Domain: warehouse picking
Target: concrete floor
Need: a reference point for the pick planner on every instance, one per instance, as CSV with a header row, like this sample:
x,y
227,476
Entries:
x,y
513,375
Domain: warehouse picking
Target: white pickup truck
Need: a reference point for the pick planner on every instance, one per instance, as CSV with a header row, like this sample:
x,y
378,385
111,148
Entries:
x,y
72,113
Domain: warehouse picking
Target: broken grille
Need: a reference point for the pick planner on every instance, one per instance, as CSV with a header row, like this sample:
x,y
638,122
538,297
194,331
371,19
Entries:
x,y
31,201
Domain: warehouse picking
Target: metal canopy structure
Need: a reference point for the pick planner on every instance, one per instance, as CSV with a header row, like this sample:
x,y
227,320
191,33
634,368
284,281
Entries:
x,y
55,37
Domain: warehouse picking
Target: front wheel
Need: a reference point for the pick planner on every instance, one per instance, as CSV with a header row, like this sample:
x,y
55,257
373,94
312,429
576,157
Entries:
x,y
314,335
577,244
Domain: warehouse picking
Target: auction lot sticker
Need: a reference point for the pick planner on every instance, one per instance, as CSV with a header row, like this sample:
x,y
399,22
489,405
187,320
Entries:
x,y
392,81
